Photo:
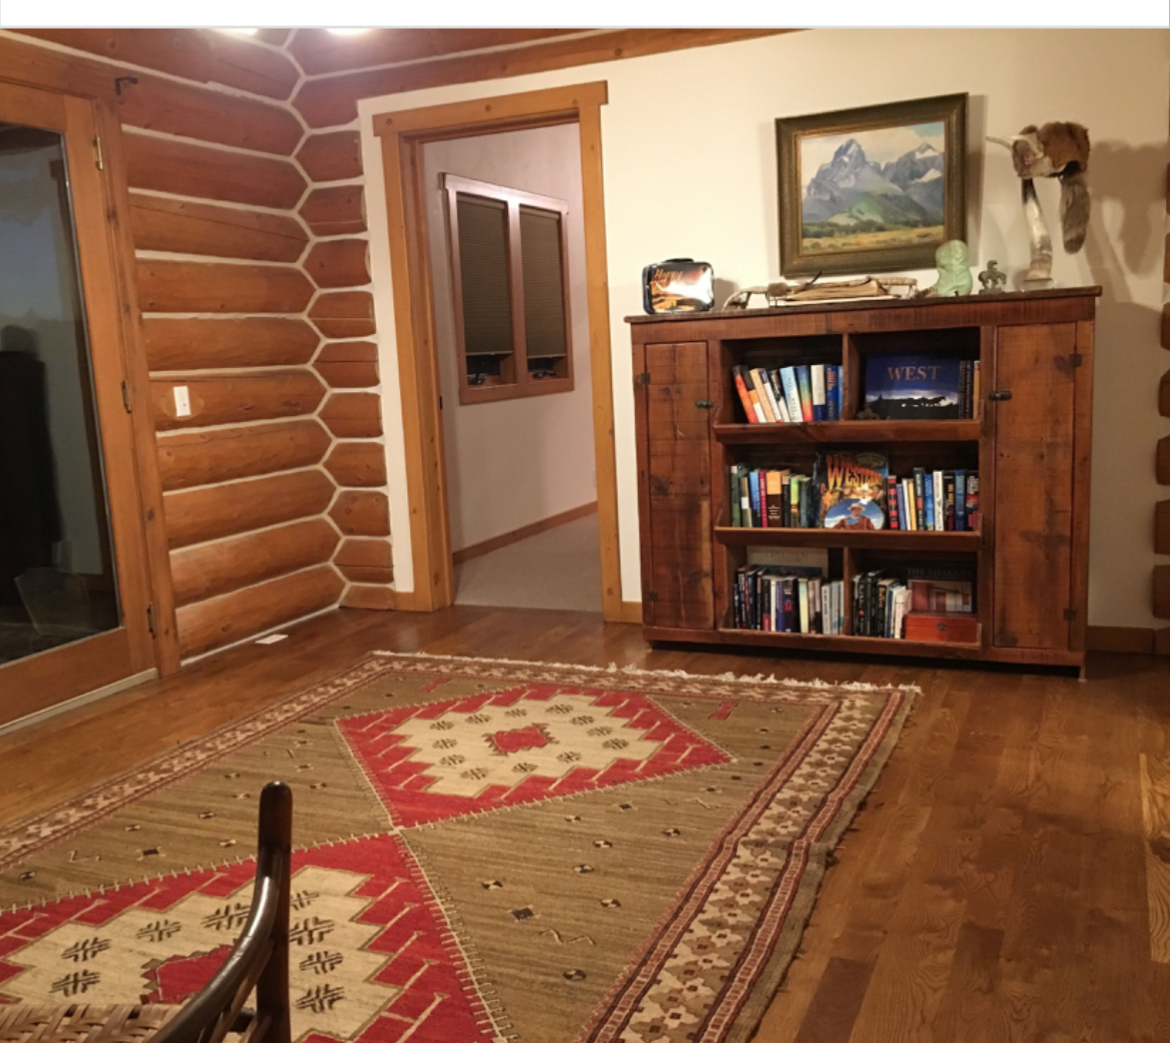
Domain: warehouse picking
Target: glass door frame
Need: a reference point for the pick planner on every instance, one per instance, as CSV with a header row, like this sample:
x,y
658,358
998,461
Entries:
x,y
145,641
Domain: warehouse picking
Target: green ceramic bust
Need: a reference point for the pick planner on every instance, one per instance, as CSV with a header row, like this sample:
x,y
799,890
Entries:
x,y
954,271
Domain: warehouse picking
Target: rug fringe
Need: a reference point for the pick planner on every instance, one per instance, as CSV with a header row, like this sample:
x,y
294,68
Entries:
x,y
634,671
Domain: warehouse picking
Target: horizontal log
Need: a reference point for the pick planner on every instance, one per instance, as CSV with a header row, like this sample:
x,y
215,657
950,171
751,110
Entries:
x,y
185,227
361,513
210,569
190,458
359,596
356,552
184,344
340,210
354,414
320,51
191,111
332,100
235,399
1162,527
211,624
338,262
348,364
344,314
365,573
1162,591
202,55
212,512
357,464
193,286
333,156
186,169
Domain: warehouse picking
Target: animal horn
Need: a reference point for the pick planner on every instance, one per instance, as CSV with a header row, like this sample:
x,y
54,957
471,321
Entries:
x,y
1005,142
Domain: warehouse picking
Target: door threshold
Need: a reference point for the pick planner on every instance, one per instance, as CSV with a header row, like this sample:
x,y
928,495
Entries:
x,y
79,700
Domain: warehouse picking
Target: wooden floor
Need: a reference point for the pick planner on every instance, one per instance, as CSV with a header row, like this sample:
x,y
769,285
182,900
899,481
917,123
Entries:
x,y
1009,878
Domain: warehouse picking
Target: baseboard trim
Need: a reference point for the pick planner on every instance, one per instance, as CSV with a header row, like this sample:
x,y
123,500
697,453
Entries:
x,y
477,550
28,720
632,612
1133,640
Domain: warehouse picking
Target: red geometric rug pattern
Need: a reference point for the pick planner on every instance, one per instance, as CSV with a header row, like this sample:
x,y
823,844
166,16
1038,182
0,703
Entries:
x,y
521,745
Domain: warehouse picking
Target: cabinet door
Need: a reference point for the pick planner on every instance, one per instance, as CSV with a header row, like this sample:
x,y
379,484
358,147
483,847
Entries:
x,y
1033,488
674,478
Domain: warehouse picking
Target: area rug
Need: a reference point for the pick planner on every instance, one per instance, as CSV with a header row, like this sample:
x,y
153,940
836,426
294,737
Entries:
x,y
484,850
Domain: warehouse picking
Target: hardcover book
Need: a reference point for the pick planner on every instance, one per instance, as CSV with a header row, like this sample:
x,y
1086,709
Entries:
x,y
912,387
851,490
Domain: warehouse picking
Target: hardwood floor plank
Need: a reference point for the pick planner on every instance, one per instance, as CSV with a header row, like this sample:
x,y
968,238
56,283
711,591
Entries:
x,y
1155,783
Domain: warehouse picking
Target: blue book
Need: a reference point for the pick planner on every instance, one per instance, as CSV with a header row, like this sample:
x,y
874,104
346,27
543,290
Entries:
x,y
913,387
792,394
833,391
928,506
804,383
960,501
754,494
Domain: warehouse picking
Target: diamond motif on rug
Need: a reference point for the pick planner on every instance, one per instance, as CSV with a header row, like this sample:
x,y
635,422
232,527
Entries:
x,y
367,960
440,760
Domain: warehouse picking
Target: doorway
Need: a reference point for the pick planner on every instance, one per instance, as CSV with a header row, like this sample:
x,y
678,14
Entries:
x,y
506,241
403,135
74,593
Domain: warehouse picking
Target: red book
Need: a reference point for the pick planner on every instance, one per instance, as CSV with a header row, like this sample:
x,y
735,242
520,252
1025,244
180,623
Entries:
x,y
892,502
745,396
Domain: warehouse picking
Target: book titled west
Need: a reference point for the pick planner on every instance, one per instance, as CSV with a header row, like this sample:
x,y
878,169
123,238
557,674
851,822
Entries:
x,y
852,489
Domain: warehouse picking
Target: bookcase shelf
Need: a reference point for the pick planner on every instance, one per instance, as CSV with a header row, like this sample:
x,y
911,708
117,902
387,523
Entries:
x,y
883,539
1029,608
849,431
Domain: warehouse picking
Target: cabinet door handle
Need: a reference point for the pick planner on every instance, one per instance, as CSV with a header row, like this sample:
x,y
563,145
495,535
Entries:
x,y
1000,396
704,403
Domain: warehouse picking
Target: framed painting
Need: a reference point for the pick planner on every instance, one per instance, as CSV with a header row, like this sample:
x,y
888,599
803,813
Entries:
x,y
872,189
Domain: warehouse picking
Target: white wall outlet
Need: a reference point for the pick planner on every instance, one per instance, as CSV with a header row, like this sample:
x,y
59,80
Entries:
x,y
182,401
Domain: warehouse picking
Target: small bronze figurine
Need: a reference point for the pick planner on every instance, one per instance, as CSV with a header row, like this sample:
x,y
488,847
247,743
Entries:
x,y
992,279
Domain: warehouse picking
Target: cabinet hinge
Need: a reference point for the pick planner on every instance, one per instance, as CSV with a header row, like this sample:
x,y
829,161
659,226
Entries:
x,y
126,395
98,158
150,619
1076,359
651,595
1070,614
642,378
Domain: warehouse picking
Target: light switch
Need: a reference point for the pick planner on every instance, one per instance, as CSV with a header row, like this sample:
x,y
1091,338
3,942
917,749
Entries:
x,y
182,401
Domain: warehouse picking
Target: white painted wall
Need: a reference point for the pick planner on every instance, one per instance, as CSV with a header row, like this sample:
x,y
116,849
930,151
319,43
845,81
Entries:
x,y
520,461
689,155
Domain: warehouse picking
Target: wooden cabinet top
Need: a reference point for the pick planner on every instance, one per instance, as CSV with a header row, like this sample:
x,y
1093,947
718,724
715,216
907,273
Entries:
x,y
1001,309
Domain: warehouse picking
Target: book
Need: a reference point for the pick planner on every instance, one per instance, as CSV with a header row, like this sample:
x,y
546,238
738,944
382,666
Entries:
x,y
895,522
733,498
941,588
833,391
754,494
964,389
781,402
804,386
762,388
912,387
851,490
792,393
972,501
928,501
774,484
961,500
906,505
975,391
820,408
939,506
745,398
919,498
949,501
745,500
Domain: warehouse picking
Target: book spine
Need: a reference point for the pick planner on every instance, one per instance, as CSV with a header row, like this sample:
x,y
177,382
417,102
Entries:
x,y
774,490
895,521
964,388
792,393
754,494
806,502
975,391
826,626
762,483
733,498
761,388
745,500
972,501
833,391
928,505
939,505
802,585
786,501
820,408
949,494
745,397
789,608
919,498
909,514
778,395
961,500
804,386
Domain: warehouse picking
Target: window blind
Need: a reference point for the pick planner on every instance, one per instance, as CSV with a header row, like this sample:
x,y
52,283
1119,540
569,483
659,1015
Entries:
x,y
483,269
544,287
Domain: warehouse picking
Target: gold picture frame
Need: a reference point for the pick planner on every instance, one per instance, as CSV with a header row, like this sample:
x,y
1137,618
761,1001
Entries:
x,y
860,188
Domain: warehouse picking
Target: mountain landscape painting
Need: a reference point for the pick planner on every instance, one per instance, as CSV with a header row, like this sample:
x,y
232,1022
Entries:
x,y
872,189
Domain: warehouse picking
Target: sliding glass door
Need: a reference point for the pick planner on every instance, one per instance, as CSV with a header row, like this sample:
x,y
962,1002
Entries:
x,y
72,611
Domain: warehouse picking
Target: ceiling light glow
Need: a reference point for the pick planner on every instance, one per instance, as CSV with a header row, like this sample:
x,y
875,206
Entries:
x,y
347,32
241,32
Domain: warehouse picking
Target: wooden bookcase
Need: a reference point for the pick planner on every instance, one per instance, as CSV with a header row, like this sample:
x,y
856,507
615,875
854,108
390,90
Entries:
x,y
1031,449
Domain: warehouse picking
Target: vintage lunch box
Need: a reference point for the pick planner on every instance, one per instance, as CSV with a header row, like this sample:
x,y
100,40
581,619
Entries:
x,y
679,284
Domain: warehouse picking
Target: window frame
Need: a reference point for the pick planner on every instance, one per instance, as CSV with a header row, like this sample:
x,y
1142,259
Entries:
x,y
523,385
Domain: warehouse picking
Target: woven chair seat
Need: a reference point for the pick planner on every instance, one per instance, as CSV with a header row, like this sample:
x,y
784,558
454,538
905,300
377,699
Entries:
x,y
83,1023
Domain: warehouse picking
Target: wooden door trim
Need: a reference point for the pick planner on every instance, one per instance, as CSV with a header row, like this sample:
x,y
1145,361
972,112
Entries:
x,y
403,134
111,305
